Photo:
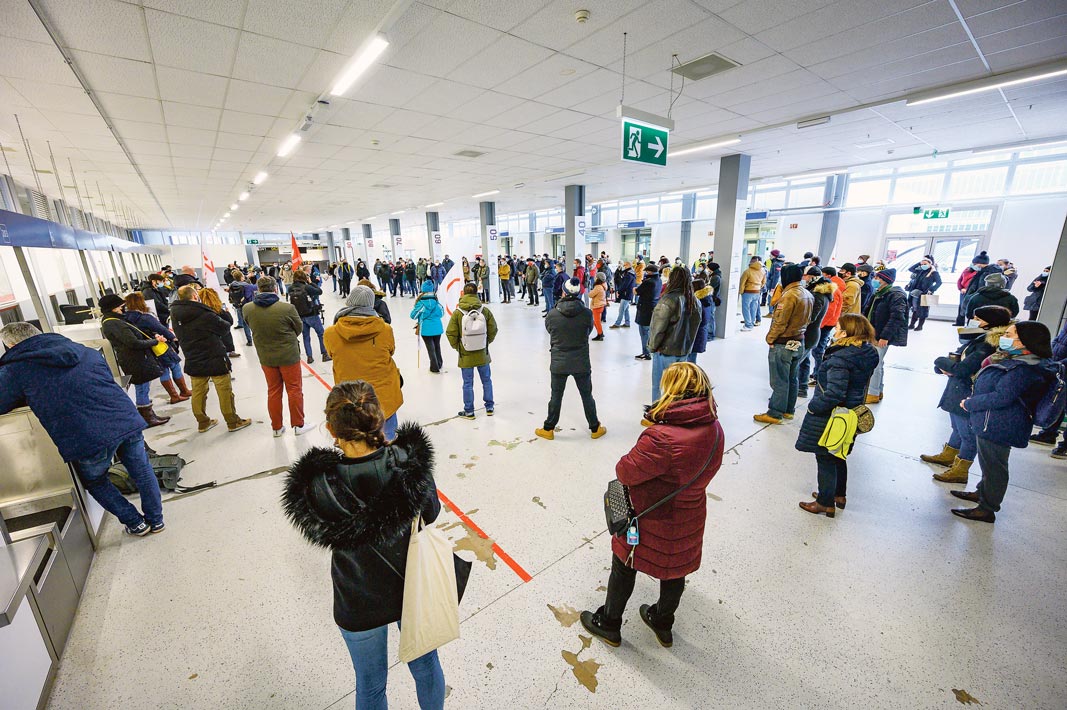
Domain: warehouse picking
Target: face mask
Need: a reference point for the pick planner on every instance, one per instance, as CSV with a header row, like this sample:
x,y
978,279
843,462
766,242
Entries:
x,y
925,267
1008,345
1045,273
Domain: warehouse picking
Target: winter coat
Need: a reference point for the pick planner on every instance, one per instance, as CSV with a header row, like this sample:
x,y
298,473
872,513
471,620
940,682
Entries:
x,y
1033,301
833,310
150,325
362,348
344,272
598,297
133,349
454,332
639,273
992,296
888,313
447,264
548,279
792,314
774,272
842,380
159,297
707,307
361,510
1059,345
504,271
1005,396
201,330
924,282
361,271
673,328
428,311
276,330
978,282
753,279
647,293
961,371
569,325
666,456
866,293
627,282
852,297
71,391
557,284
533,274
966,276
822,293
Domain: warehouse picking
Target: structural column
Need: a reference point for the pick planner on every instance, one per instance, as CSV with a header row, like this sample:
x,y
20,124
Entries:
x,y
689,213
331,247
367,243
833,198
433,236
1054,300
397,241
573,219
730,236
490,243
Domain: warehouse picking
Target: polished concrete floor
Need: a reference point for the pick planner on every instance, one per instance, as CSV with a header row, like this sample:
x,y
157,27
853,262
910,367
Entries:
x,y
893,604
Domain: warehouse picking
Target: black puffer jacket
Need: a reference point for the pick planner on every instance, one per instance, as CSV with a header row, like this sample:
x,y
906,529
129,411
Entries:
x,y
674,325
888,313
201,330
961,372
1037,292
647,294
992,296
133,349
822,289
362,509
842,382
569,325
979,279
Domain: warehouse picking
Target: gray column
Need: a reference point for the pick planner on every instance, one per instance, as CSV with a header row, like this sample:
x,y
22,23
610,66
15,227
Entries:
x,y
531,221
434,237
331,243
1054,301
91,287
332,246
573,206
730,236
368,237
396,241
37,297
689,213
490,243
834,197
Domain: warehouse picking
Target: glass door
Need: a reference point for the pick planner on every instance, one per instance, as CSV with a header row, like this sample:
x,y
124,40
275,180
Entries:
x,y
951,256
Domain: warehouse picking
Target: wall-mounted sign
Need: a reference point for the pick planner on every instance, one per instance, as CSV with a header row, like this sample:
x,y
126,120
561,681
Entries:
x,y
935,214
638,224
555,230
756,215
252,241
642,143
794,225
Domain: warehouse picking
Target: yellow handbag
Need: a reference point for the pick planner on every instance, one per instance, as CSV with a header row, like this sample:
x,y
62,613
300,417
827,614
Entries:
x,y
159,349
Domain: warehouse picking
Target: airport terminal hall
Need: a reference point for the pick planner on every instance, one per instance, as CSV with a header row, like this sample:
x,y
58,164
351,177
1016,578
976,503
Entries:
x,y
523,354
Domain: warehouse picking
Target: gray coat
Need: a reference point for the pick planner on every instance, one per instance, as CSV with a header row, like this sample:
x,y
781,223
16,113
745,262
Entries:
x,y
673,329
569,325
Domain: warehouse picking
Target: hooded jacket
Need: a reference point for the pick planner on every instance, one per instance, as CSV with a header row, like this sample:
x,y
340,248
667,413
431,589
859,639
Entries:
x,y
569,325
852,296
598,295
158,295
133,348
962,371
639,273
774,271
72,392
558,280
647,293
627,282
1005,396
548,278
674,326
707,306
362,348
992,296
792,313
361,510
888,313
753,279
201,330
833,311
428,312
842,381
453,332
150,325
979,277
822,292
276,330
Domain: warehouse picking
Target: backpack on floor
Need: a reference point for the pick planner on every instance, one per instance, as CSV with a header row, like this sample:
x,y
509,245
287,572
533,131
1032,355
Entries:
x,y
168,469
1053,404
474,331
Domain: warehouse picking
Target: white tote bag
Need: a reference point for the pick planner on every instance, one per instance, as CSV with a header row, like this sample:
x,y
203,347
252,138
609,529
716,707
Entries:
x,y
430,617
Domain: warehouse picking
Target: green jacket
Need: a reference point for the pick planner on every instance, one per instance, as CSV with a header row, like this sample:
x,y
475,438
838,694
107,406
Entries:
x,y
478,357
276,330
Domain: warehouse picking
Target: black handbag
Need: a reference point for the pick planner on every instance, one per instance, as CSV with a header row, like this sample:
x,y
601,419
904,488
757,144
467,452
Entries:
x,y
619,509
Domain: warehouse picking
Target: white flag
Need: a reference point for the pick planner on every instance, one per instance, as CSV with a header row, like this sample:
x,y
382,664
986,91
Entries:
x,y
451,289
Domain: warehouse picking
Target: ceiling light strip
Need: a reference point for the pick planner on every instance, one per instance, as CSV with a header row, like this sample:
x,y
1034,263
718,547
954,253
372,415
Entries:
x,y
1002,82
707,146
360,63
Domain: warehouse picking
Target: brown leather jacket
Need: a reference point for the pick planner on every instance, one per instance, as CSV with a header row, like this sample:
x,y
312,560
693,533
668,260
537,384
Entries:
x,y
791,315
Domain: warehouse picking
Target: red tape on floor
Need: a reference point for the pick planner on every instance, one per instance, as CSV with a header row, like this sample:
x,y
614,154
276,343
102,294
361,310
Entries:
x,y
505,557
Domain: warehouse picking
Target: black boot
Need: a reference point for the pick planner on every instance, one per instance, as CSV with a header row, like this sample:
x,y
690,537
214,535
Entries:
x,y
914,318
920,326
661,625
607,630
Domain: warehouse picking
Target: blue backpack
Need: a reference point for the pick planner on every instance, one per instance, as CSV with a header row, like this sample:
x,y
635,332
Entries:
x,y
1053,404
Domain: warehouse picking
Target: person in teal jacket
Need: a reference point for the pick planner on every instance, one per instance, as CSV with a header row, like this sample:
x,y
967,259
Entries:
x,y
428,313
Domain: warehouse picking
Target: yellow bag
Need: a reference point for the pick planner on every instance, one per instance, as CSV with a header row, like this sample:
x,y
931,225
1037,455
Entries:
x,y
160,348
840,432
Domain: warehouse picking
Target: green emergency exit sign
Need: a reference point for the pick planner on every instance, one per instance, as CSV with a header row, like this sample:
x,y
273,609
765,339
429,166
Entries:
x,y
251,241
935,214
642,143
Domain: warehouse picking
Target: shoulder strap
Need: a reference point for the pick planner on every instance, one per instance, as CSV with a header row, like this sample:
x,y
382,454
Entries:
x,y
663,501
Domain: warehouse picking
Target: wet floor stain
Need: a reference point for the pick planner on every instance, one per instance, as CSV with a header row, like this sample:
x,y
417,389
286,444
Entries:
x,y
473,542
566,615
965,698
584,671
714,497
452,456
602,588
489,666
507,445
537,499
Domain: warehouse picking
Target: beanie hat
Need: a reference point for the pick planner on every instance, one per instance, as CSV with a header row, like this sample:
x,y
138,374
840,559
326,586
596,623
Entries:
x,y
886,275
849,267
829,271
110,302
651,269
1035,337
813,271
775,253
865,268
791,274
995,316
573,287
982,258
601,277
808,255
427,286
361,296
996,280
713,266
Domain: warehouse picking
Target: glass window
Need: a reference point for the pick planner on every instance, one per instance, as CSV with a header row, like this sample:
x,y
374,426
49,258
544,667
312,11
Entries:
x,y
1051,150
609,216
873,172
1040,177
918,189
921,167
628,211
648,210
964,184
983,159
807,196
868,193
671,211
706,207
770,200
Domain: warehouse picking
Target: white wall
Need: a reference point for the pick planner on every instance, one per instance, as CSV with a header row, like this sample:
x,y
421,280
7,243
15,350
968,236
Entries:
x,y
189,255
1027,232
666,241
859,232
794,242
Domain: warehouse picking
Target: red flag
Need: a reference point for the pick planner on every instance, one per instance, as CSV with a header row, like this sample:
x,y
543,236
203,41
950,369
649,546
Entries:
x,y
297,261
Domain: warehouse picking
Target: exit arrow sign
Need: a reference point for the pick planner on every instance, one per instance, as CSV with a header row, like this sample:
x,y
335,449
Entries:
x,y
935,214
642,143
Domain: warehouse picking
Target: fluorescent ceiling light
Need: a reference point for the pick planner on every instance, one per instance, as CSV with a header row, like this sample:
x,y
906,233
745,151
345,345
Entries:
x,y
259,178
288,144
398,212
805,176
352,222
435,204
706,146
487,194
234,206
226,215
1017,146
243,196
996,82
360,63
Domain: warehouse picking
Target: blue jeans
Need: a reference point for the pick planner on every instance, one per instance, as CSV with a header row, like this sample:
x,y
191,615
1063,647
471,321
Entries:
x,y
485,376
312,323
142,392
241,322
963,437
783,365
642,332
390,427
750,308
817,353
550,300
370,659
659,364
875,387
624,313
93,474
711,324
172,372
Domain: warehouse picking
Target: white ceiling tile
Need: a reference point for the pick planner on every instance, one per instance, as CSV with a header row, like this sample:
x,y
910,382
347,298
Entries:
x,y
21,22
237,141
749,75
138,130
1054,29
755,16
308,22
500,61
1020,57
358,114
323,72
1017,14
54,96
498,14
550,74
447,42
402,122
190,115
913,47
144,148
256,98
32,60
668,26
554,26
124,76
246,123
443,96
102,26
221,13
842,15
523,113
189,87
231,155
186,43
190,136
443,129
356,23
584,87
390,86
272,61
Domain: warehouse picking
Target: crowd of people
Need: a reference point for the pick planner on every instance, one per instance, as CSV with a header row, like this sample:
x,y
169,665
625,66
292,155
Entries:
x,y
830,332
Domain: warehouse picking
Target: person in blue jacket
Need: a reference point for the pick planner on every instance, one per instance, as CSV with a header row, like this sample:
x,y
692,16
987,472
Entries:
x,y
89,416
428,312
1007,392
548,281
1047,436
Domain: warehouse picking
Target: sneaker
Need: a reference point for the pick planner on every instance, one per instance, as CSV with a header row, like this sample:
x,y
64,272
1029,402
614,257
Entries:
x,y
613,327
545,434
302,429
745,329
489,412
210,425
766,419
599,337
279,432
140,530
1060,452
642,357
158,528
242,424
601,431
465,415
1044,439
626,326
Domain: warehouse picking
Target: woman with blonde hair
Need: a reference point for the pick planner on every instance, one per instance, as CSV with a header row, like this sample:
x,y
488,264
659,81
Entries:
x,y
677,456
211,299
841,381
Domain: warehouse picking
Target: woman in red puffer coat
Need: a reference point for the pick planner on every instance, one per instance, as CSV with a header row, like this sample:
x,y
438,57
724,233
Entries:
x,y
684,440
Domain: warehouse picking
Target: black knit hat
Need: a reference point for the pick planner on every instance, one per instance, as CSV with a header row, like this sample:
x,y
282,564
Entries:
x,y
1035,337
791,274
886,275
982,258
813,271
110,302
849,267
995,316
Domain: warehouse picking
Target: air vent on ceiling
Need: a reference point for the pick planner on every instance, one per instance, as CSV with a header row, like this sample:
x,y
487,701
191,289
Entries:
x,y
381,185
469,154
704,67
876,144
